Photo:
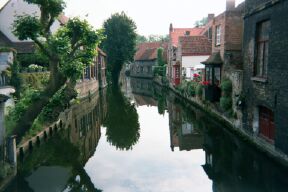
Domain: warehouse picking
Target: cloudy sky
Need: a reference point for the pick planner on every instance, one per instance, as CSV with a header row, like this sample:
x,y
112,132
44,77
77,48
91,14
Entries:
x,y
151,16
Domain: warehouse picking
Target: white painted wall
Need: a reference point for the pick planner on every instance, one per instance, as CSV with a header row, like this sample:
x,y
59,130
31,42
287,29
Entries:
x,y
18,7
192,62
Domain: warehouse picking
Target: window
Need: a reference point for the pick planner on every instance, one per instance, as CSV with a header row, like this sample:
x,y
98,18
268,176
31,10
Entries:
x,y
210,33
187,33
218,35
262,47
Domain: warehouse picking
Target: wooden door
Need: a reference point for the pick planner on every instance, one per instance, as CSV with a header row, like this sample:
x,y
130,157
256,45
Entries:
x,y
266,123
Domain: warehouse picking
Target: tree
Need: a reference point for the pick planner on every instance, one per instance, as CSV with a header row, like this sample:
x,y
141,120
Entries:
x,y
160,67
157,38
201,22
120,42
69,50
140,39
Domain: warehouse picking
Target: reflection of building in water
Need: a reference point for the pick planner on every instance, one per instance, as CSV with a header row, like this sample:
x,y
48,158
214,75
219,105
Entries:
x,y
142,86
84,121
143,91
183,133
235,166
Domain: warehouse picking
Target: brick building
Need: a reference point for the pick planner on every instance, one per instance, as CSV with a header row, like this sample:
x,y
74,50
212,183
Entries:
x,y
225,31
174,56
266,71
193,50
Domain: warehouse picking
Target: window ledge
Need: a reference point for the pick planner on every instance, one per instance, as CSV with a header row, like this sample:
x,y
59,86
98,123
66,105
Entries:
x,y
259,79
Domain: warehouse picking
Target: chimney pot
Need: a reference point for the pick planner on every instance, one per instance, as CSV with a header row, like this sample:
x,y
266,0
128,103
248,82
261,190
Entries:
x,y
230,4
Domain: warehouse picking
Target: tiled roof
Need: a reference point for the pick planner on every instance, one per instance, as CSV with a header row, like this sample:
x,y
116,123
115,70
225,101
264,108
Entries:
x,y
195,45
177,32
148,51
63,19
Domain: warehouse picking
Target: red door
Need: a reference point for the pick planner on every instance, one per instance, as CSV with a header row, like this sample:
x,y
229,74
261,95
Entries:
x,y
266,123
176,74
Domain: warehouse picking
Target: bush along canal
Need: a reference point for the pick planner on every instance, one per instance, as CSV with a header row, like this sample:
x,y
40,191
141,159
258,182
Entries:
x,y
142,138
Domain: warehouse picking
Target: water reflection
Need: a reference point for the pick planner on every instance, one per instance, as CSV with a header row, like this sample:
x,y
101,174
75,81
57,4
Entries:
x,y
122,121
114,157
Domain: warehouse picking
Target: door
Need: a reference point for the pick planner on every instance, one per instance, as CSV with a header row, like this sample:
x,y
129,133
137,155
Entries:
x,y
266,123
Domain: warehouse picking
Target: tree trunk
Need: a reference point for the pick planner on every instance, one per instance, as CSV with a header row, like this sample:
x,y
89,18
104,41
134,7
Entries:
x,y
56,81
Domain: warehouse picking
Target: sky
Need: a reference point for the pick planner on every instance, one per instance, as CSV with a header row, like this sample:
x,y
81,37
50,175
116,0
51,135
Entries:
x,y
150,16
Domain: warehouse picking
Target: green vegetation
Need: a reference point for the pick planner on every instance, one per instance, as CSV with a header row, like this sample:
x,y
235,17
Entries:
x,y
201,22
226,99
35,80
68,51
27,98
120,42
27,59
199,90
159,69
151,38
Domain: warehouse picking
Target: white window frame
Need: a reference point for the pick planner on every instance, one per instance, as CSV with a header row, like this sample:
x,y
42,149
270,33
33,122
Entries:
x,y
218,34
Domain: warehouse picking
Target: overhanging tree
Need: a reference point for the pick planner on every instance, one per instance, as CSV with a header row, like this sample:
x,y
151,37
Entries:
x,y
69,51
120,42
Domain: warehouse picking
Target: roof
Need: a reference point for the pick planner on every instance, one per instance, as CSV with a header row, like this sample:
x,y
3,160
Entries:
x,y
214,59
101,51
3,3
195,45
177,32
63,19
21,47
148,51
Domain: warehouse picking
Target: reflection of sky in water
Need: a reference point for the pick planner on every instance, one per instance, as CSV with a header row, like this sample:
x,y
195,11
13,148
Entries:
x,y
151,165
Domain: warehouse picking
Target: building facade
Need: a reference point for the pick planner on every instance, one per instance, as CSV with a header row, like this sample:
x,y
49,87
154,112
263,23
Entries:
x,y
145,59
225,31
94,76
193,50
8,14
266,71
174,71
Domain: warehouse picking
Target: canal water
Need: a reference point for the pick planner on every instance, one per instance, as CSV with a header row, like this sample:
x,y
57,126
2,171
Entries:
x,y
144,139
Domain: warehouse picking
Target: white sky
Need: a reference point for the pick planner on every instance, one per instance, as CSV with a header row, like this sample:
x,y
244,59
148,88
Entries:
x,y
150,16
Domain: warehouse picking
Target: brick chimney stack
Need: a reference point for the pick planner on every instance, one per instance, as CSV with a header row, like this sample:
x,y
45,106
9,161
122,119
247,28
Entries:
x,y
230,4
171,28
210,17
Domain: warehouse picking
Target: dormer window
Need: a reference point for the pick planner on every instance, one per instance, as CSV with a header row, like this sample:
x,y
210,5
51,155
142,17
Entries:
x,y
187,33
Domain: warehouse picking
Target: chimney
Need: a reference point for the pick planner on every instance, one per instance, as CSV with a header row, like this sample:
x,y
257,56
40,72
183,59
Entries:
x,y
210,17
171,28
230,4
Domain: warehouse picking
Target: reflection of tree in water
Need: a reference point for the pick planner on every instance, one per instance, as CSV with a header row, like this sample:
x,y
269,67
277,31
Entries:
x,y
121,121
57,151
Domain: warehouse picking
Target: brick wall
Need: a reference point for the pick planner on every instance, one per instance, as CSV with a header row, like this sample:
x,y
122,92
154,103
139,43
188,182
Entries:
x,y
273,92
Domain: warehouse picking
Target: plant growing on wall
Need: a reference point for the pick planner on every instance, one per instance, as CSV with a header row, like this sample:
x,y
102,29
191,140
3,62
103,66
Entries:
x,y
226,99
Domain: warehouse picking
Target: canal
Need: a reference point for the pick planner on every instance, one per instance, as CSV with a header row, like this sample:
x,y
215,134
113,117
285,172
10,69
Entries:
x,y
144,139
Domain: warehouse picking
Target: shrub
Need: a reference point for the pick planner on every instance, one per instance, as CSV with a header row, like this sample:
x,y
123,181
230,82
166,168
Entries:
x,y
226,103
15,113
226,87
199,90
